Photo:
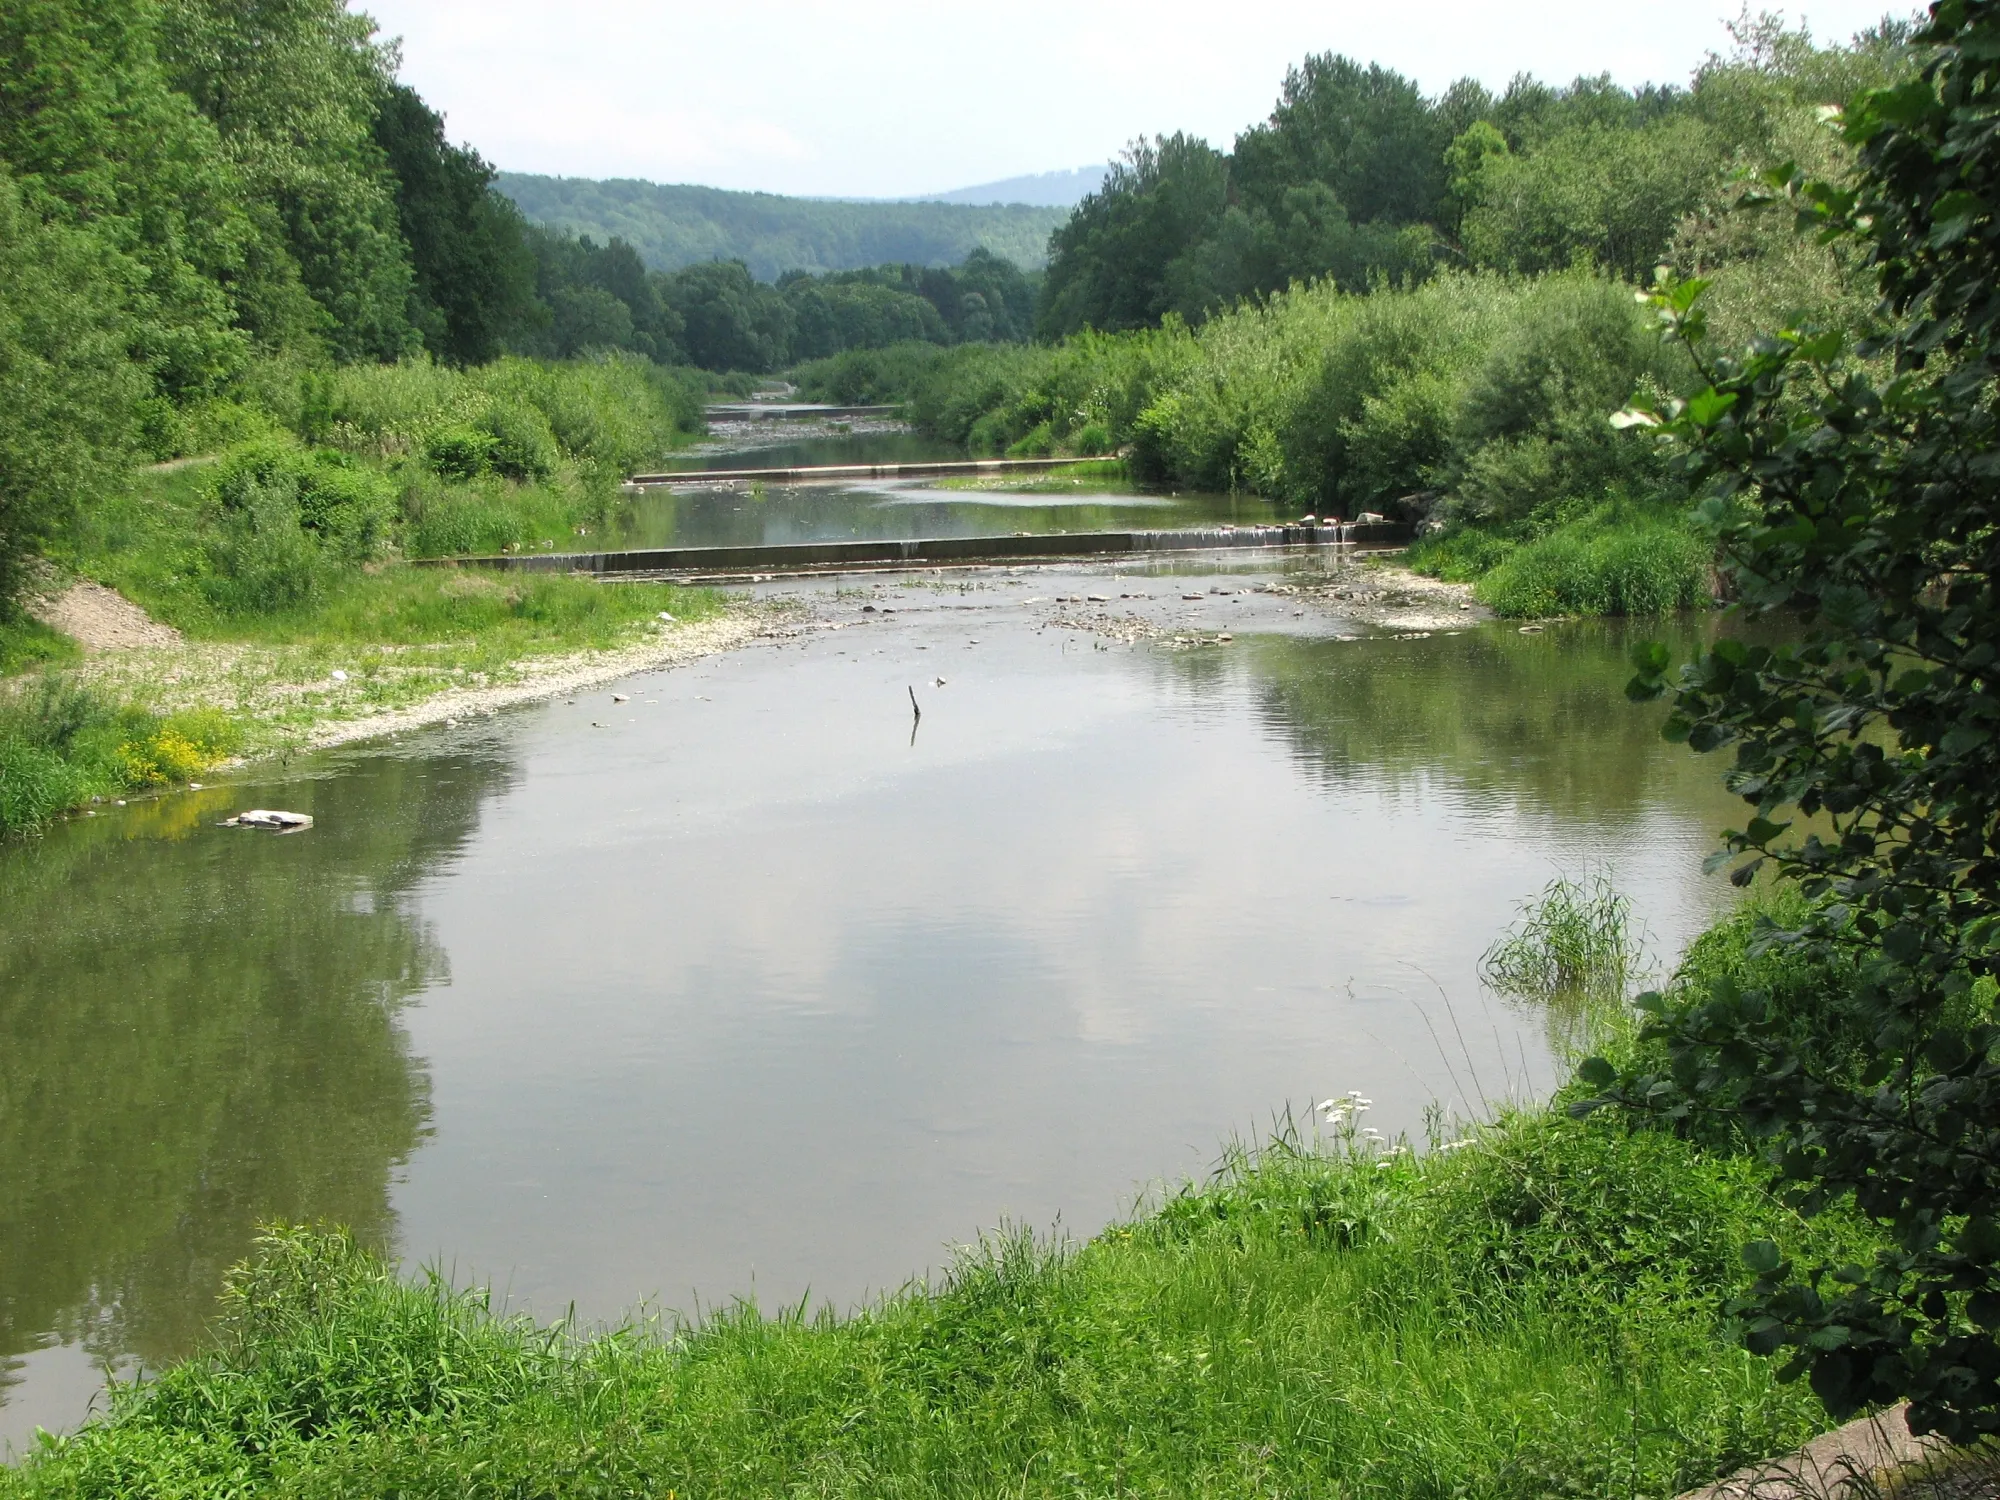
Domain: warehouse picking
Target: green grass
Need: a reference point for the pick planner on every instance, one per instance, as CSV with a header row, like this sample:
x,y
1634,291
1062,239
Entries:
x,y
501,615
1530,1314
1616,560
26,643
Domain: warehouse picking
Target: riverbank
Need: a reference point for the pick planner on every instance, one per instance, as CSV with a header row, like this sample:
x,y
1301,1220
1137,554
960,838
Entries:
x,y
1521,1309
1324,1316
135,707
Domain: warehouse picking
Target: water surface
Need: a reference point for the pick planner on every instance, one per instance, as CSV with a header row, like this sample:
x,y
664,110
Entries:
x,y
741,988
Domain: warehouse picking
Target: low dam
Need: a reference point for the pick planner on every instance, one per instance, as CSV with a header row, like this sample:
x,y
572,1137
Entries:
x,y
931,551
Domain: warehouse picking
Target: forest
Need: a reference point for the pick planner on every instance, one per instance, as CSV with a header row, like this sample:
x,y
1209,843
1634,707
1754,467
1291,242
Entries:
x,y
676,225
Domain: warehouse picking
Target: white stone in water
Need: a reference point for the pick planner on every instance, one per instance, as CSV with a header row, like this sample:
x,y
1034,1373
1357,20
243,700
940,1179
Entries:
x,y
621,697
264,817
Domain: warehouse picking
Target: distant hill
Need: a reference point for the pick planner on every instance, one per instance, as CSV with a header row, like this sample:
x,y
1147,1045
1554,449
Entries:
x,y
1045,189
675,226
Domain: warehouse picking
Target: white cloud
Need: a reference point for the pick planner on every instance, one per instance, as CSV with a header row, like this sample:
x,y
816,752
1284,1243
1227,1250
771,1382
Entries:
x,y
807,96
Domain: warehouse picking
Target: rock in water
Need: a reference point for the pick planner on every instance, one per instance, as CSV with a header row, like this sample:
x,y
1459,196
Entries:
x,y
276,822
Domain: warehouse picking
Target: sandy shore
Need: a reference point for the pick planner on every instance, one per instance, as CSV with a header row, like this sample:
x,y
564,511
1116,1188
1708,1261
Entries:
x,y
556,676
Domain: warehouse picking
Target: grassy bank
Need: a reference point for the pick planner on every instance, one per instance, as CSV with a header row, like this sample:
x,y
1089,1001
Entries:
x,y
285,556
1528,1310
62,744
1532,1314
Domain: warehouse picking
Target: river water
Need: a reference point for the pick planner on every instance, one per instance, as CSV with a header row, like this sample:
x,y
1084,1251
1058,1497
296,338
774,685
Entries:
x,y
753,986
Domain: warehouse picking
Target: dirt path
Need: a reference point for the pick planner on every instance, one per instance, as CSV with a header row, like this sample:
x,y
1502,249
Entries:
x,y
101,619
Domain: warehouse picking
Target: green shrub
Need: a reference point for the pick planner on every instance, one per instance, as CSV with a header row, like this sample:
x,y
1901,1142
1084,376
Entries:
x,y
262,559
616,412
867,377
458,450
1037,442
1459,554
521,446
345,506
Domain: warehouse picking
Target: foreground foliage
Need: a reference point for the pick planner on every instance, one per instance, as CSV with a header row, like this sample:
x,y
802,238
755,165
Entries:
x,y
1525,1315
1854,497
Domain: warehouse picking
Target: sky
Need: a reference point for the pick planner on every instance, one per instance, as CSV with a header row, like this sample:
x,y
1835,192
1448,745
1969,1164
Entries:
x,y
884,98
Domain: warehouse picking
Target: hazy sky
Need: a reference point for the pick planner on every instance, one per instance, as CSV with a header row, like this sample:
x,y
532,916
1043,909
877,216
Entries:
x,y
887,97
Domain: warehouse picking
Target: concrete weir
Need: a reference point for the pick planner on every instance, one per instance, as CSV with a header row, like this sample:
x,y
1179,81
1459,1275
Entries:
x,y
838,472
916,552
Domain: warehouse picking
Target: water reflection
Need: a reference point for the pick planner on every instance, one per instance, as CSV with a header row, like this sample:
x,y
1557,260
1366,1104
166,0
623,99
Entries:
x,y
198,1032
1539,719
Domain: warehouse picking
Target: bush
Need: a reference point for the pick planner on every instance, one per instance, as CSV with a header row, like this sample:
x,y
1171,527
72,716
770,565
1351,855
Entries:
x,y
458,451
867,377
616,413
343,505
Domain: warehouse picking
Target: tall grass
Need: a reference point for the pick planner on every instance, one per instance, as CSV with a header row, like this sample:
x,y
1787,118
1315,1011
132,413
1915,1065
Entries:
x,y
62,744
1614,562
1575,956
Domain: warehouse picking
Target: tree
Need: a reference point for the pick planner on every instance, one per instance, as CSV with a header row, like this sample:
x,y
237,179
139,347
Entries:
x,y
733,322
1110,265
1854,494
474,276
1368,135
98,140
70,393
293,87
1607,195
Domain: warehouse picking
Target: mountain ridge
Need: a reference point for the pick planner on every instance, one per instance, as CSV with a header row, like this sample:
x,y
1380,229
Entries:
x,y
675,225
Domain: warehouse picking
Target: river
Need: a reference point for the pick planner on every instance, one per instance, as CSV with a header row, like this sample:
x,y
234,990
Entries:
x,y
754,986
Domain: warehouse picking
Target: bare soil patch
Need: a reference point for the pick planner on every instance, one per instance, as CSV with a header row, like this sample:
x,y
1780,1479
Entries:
x,y
102,619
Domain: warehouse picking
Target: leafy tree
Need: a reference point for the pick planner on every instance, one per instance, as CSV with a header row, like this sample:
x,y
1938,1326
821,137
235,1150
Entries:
x,y
1599,194
1367,135
474,274
732,322
596,297
1111,265
586,318
1854,495
293,87
70,393
99,140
